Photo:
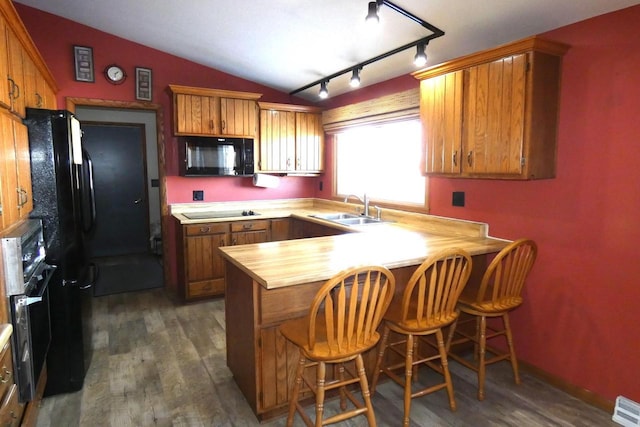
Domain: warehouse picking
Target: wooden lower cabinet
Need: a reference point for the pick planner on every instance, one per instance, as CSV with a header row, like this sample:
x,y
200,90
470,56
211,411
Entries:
x,y
245,232
201,268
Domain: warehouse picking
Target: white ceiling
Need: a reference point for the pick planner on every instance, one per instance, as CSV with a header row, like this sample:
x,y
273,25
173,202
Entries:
x,y
287,44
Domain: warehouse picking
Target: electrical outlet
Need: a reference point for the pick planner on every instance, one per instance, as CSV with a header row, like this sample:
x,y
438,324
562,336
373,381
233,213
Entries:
x,y
458,198
198,195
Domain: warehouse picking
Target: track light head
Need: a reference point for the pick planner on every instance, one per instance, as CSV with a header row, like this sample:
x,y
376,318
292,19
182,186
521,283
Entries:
x,y
372,14
324,93
355,78
421,57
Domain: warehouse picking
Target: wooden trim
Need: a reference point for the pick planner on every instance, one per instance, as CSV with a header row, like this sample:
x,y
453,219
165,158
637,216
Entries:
x,y
188,90
289,107
72,103
17,26
521,46
583,394
396,106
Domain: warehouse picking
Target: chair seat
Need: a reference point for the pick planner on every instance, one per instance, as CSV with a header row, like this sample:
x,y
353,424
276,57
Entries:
x,y
489,307
393,317
296,331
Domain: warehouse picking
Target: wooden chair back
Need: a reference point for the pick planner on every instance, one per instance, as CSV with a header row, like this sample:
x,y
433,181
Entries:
x,y
347,310
502,283
430,298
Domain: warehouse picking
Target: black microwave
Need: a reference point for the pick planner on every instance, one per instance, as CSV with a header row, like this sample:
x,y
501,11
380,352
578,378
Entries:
x,y
211,156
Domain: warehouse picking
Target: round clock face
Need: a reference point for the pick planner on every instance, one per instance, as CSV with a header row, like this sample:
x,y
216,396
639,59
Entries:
x,y
115,74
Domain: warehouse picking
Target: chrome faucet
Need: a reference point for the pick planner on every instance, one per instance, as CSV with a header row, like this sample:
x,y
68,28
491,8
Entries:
x,y
364,200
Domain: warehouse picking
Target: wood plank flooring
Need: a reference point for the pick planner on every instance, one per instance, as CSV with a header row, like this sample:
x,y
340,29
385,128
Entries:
x,y
159,364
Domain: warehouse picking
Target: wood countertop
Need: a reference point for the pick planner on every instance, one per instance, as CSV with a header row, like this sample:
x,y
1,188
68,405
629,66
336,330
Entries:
x,y
405,241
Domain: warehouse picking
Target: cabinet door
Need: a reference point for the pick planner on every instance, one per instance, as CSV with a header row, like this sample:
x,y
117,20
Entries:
x,y
280,229
238,117
16,76
204,264
196,115
23,169
277,140
32,97
309,142
441,116
5,99
9,196
494,111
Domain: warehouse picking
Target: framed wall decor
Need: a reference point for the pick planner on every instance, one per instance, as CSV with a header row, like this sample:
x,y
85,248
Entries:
x,y
143,84
83,59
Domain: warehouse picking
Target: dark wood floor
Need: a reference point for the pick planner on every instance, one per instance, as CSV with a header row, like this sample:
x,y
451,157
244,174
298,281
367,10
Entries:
x,y
157,364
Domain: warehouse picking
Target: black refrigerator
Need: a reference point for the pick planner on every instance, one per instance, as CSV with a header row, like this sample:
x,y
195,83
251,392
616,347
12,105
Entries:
x,y
62,181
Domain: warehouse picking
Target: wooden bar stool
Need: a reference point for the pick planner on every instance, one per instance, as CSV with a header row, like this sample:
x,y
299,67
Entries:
x,y
428,304
500,292
342,322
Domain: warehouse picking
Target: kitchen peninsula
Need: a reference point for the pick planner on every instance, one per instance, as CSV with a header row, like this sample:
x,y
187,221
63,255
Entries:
x,y
268,283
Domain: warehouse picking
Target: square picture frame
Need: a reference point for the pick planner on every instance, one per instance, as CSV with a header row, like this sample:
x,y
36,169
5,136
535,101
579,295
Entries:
x,y
144,84
83,64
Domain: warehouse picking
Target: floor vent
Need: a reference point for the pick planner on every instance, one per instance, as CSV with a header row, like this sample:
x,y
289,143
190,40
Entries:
x,y
626,412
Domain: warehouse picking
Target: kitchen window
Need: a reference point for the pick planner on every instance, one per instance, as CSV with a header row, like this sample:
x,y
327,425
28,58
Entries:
x,y
382,160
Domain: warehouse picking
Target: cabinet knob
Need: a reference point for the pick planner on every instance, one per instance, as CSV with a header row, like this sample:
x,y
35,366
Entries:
x,y
205,229
247,226
470,158
455,158
6,376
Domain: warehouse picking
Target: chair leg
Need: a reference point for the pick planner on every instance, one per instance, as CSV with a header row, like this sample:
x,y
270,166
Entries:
x,y
452,332
293,399
482,356
320,378
512,351
381,349
366,396
408,371
340,375
445,369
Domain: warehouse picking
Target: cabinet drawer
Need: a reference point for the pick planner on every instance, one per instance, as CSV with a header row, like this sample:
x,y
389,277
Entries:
x,y
208,228
11,409
6,371
249,225
205,288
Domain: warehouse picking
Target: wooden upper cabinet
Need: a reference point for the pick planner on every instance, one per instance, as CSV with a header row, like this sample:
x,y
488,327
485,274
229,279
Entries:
x,y
15,74
493,114
213,112
277,140
5,99
309,142
441,114
291,138
15,171
239,117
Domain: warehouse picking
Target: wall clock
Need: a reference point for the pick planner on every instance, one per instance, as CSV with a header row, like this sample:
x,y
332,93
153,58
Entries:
x,y
115,74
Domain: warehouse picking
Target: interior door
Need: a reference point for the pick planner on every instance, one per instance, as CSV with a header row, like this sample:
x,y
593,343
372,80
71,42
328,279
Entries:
x,y
119,172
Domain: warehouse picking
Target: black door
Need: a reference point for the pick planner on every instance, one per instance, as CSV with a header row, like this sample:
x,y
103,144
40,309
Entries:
x,y
119,172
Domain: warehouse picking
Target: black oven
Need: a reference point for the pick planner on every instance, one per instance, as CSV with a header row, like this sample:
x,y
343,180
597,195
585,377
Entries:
x,y
27,277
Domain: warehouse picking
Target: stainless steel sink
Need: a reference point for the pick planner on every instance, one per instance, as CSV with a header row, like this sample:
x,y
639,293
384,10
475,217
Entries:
x,y
348,219
336,216
359,221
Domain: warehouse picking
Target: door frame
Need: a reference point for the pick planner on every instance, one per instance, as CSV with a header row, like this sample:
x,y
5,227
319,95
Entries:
x,y
72,103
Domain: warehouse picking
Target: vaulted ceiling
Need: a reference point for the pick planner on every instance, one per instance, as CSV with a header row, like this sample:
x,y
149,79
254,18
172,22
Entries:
x,y
288,44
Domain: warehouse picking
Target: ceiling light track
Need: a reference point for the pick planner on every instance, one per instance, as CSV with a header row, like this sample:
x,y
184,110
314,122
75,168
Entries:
x,y
356,69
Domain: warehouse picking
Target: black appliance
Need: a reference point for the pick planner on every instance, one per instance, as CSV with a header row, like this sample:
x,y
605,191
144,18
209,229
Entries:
x,y
62,181
208,156
26,277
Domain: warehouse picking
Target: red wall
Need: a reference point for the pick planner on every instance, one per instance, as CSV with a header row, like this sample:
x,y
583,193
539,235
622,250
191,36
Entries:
x,y
579,316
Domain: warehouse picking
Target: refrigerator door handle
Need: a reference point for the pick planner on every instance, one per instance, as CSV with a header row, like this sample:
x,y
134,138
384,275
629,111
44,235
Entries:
x,y
92,193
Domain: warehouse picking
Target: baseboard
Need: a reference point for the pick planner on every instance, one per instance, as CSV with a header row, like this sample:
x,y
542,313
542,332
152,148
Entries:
x,y
585,395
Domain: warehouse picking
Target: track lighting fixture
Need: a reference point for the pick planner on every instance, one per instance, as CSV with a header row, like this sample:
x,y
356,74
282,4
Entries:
x,y
324,93
421,57
372,15
355,78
